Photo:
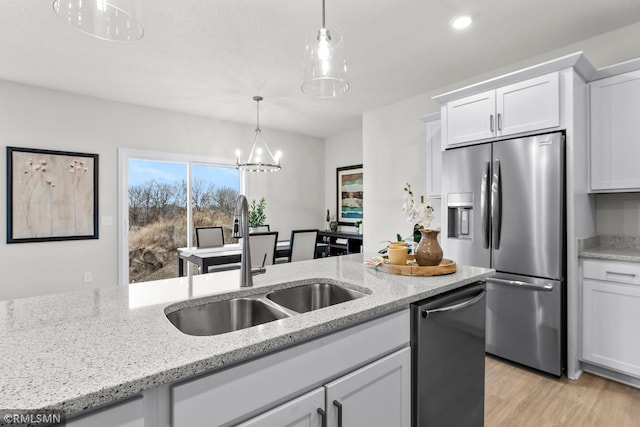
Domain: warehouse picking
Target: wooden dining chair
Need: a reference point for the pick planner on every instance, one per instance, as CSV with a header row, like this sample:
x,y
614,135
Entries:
x,y
261,245
303,245
209,237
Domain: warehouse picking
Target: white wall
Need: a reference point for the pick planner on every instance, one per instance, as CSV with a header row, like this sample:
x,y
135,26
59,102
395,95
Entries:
x,y
341,150
394,154
40,118
618,214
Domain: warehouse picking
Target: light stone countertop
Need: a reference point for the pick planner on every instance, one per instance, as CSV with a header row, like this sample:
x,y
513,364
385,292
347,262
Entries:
x,y
78,350
609,247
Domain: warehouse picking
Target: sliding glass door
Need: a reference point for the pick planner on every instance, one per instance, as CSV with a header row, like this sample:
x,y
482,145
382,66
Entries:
x,y
166,198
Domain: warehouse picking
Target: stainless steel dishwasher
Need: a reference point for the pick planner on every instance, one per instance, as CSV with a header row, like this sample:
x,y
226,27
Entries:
x,y
448,349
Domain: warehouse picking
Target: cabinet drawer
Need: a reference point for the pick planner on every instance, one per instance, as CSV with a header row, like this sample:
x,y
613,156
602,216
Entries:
x,y
612,271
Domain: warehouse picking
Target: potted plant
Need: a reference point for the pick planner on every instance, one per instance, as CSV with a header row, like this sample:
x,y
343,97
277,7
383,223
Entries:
x,y
257,217
357,225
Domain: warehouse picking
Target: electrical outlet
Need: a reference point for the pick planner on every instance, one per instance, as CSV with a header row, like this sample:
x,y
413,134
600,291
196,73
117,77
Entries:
x,y
88,277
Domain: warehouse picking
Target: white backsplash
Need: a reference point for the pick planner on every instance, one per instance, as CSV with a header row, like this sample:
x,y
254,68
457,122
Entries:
x,y
618,214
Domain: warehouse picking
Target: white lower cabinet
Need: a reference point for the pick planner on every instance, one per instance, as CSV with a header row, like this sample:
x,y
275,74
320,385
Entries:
x,y
378,394
305,411
126,414
360,358
611,315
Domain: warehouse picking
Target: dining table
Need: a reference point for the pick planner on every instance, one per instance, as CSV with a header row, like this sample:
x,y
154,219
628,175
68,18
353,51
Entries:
x,y
230,253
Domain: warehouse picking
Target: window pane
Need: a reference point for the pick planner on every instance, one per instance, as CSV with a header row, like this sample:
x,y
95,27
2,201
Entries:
x,y
157,218
214,191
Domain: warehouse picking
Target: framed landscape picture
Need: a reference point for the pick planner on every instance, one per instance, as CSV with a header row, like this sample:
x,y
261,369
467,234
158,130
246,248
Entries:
x,y
51,195
349,194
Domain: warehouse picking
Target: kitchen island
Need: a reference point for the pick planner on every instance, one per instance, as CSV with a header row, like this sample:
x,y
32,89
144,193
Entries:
x,y
82,350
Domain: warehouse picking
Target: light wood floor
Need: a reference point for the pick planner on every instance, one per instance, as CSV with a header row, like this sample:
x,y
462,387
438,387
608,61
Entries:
x,y
516,397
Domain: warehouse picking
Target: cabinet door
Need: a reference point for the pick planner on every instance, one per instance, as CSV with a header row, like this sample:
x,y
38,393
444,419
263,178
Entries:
x,y
471,118
434,158
126,414
615,131
378,394
530,105
305,411
611,315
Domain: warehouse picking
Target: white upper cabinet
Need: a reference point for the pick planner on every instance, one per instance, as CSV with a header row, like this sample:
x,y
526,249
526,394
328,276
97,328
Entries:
x,y
471,118
615,133
526,106
434,153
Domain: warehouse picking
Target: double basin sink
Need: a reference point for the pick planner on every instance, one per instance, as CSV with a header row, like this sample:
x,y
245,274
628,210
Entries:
x,y
229,315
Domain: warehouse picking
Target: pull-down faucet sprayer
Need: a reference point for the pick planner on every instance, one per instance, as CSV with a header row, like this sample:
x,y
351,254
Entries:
x,y
241,230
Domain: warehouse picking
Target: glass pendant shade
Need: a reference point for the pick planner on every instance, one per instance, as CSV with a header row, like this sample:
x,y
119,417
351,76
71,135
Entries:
x,y
260,159
115,20
325,67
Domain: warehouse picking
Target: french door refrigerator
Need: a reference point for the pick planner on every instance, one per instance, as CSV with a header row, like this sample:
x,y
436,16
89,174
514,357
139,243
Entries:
x,y
505,210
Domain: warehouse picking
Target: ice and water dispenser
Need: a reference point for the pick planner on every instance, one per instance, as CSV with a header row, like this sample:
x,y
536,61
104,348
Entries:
x,y
460,215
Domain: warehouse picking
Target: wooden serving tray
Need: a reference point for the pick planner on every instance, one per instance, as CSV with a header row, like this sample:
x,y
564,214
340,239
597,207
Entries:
x,y
412,269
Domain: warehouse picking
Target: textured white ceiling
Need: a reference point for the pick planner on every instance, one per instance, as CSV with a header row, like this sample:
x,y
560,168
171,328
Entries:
x,y
210,57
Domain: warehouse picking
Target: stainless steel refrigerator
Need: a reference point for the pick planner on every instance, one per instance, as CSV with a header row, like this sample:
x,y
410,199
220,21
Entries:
x,y
505,210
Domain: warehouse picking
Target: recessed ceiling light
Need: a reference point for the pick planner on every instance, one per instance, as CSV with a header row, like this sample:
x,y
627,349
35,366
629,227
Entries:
x,y
461,22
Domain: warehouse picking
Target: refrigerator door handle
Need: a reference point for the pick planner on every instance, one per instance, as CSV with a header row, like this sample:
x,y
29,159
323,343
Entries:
x,y
455,307
520,284
484,206
496,204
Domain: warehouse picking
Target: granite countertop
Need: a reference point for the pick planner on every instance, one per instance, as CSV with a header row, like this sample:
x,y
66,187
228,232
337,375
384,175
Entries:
x,y
79,350
617,248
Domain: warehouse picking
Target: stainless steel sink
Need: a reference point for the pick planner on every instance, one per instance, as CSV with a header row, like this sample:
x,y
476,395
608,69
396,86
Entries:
x,y
223,316
313,296
219,317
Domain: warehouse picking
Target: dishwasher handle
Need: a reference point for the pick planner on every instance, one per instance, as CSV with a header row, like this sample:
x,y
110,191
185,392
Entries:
x,y
454,307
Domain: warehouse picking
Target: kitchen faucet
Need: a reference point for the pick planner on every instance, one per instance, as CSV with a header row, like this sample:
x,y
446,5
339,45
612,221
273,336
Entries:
x,y
241,230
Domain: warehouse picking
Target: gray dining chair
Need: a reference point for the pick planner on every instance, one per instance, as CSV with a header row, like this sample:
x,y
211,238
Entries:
x,y
303,245
263,248
209,237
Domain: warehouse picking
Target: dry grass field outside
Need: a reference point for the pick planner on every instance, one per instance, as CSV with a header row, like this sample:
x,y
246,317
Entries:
x,y
153,248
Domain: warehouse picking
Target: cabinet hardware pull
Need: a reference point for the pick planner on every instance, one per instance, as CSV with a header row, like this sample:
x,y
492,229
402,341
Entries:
x,y
323,417
339,406
499,121
491,122
621,274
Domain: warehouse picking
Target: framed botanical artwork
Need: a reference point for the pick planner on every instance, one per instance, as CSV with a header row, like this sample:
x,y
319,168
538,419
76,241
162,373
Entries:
x,y
349,194
51,195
